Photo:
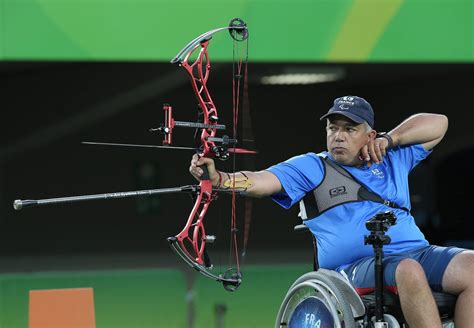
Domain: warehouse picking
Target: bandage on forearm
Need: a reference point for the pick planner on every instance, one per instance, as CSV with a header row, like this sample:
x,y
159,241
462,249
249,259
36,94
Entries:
x,y
237,181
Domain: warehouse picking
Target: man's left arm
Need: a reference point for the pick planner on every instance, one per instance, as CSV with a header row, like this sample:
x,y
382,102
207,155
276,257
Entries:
x,y
424,128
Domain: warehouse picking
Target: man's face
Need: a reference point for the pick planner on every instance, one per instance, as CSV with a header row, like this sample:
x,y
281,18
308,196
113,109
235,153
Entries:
x,y
345,139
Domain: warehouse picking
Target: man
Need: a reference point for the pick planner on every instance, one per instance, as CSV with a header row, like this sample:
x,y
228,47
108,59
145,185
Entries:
x,y
380,165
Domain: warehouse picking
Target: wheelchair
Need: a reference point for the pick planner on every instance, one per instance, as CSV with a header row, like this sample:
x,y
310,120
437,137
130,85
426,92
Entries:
x,y
324,298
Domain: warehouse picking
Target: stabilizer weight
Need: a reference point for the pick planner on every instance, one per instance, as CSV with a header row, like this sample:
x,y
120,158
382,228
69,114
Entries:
x,y
21,204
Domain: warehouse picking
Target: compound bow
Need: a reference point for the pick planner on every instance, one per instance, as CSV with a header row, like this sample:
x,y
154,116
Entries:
x,y
190,243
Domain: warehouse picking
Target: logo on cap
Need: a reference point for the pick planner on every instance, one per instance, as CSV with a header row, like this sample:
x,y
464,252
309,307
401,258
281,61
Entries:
x,y
345,101
353,107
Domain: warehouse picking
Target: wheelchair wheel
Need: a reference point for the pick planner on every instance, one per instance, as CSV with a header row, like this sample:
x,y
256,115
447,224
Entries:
x,y
315,301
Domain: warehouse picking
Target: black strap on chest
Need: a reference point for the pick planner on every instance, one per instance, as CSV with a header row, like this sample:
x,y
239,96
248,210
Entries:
x,y
337,187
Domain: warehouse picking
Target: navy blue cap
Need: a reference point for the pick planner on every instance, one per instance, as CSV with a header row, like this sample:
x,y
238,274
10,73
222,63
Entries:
x,y
353,107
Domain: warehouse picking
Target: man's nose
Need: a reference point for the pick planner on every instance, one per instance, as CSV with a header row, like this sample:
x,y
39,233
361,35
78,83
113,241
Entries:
x,y
339,135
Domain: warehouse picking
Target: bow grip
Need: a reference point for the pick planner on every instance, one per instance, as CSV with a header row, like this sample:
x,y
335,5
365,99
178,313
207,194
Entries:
x,y
205,172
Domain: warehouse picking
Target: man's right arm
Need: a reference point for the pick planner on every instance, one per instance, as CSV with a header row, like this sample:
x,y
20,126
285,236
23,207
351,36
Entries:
x,y
424,128
254,184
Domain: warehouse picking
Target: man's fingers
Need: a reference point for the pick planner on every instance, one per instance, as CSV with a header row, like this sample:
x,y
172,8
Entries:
x,y
194,168
378,152
383,147
200,164
373,153
194,160
197,161
383,151
364,152
203,161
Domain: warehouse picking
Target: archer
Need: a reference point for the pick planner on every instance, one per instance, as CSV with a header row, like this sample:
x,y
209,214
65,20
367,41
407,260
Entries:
x,y
363,173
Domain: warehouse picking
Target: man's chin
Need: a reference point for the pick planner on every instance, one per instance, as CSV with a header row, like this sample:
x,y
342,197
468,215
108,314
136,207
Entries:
x,y
342,158
339,156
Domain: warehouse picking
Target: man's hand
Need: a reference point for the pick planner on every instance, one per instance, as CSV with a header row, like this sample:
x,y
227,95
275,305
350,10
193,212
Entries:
x,y
196,171
374,151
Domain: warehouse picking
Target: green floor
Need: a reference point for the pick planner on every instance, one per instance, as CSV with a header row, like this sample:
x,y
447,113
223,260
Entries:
x,y
158,298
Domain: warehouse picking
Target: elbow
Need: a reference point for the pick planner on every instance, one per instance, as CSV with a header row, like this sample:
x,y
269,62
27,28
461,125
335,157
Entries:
x,y
439,123
444,123
257,195
441,127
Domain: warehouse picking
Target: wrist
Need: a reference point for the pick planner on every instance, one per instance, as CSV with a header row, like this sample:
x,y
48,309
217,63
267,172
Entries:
x,y
218,184
386,136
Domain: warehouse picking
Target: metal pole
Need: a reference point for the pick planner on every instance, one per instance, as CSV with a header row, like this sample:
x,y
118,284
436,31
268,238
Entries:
x,y
21,204
378,283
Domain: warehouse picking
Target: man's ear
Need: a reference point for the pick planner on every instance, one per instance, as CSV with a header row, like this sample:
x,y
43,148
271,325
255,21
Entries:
x,y
372,134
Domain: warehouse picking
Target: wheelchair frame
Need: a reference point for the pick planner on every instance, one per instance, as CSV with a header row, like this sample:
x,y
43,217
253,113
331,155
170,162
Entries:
x,y
379,309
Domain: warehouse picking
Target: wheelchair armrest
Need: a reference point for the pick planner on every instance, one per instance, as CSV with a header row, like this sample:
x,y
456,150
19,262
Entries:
x,y
300,228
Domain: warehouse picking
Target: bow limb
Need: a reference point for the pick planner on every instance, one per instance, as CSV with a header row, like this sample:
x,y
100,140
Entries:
x,y
184,53
198,73
193,233
191,246
238,31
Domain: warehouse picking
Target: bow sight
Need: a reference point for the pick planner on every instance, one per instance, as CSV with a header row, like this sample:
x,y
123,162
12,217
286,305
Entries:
x,y
220,146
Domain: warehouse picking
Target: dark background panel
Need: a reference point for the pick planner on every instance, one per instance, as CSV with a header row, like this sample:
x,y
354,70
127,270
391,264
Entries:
x,y
49,108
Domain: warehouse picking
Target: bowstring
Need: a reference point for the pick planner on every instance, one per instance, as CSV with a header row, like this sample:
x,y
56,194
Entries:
x,y
248,137
233,238
236,88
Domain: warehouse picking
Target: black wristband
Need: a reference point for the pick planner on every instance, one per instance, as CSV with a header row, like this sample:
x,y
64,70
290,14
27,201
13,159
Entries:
x,y
386,136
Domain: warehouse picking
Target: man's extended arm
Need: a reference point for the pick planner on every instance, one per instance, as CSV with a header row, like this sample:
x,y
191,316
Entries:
x,y
255,184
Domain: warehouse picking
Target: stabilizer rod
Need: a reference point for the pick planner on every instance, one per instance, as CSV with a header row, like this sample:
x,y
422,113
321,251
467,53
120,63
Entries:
x,y
21,204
